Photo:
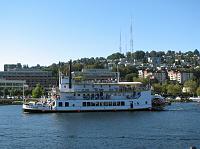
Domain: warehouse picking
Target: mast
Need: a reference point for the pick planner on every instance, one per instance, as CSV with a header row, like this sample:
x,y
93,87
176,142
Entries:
x,y
23,95
70,74
60,76
118,73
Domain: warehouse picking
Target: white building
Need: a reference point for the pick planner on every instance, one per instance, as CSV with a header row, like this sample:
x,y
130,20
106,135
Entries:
x,y
179,76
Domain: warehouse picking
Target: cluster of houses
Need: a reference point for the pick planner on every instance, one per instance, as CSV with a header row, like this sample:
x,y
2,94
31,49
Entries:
x,y
164,67
162,75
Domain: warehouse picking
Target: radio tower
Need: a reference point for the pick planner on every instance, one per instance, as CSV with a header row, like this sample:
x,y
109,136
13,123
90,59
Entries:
x,y
120,43
131,37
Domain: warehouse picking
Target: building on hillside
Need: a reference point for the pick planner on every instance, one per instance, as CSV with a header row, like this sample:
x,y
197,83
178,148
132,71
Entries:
x,y
31,76
180,76
159,75
155,61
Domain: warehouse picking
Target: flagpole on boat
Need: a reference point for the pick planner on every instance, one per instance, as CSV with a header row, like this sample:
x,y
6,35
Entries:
x,y
23,93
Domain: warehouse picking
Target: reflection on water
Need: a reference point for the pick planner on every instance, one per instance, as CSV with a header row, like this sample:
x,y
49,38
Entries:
x,y
176,128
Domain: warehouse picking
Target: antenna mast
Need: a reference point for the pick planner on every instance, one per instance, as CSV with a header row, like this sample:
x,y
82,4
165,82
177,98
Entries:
x,y
131,37
120,43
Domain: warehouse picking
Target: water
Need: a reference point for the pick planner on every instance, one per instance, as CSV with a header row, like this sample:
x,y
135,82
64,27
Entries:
x,y
176,128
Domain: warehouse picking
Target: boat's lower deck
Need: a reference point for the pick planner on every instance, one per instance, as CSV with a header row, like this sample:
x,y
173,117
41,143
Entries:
x,y
77,111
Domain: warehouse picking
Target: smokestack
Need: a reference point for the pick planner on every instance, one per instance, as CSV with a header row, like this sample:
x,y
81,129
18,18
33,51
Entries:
x,y
70,74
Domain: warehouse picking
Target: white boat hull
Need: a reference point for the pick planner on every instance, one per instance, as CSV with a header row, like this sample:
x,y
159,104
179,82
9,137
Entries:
x,y
143,102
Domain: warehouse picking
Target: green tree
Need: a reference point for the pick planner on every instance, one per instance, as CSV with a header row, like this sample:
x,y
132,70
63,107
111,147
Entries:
x,y
196,52
157,88
145,81
152,54
38,91
139,55
198,91
192,85
164,88
115,56
174,89
129,56
129,77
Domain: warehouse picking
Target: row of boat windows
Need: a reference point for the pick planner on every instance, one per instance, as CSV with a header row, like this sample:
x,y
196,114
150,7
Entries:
x,y
60,104
87,104
118,103
106,96
110,89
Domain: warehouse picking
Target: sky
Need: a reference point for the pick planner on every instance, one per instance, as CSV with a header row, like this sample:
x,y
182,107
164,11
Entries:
x,y
48,31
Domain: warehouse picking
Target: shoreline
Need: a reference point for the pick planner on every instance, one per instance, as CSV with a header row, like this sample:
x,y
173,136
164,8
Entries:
x,y
11,102
15,101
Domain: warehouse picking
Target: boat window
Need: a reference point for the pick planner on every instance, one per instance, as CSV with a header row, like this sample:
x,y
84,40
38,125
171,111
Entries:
x,y
110,103
84,104
146,102
88,103
97,103
60,104
88,96
122,103
78,94
114,103
92,103
137,103
118,103
66,104
101,103
105,103
92,96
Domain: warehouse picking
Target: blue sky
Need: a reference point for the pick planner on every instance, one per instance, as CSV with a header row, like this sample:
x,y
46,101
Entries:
x,y
48,31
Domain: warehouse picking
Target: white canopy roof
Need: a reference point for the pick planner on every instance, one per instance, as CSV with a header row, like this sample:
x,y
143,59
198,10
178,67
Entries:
x,y
122,83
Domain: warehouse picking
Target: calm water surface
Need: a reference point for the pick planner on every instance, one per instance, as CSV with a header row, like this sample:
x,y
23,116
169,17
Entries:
x,y
176,128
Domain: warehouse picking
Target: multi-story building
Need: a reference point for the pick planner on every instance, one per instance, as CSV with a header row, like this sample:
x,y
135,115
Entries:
x,y
180,76
159,75
31,76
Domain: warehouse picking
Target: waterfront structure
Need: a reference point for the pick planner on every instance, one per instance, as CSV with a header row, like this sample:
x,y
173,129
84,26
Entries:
x,y
11,85
31,76
94,90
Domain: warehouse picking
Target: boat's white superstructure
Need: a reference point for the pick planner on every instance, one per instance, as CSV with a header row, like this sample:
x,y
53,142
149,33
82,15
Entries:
x,y
94,90
195,99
